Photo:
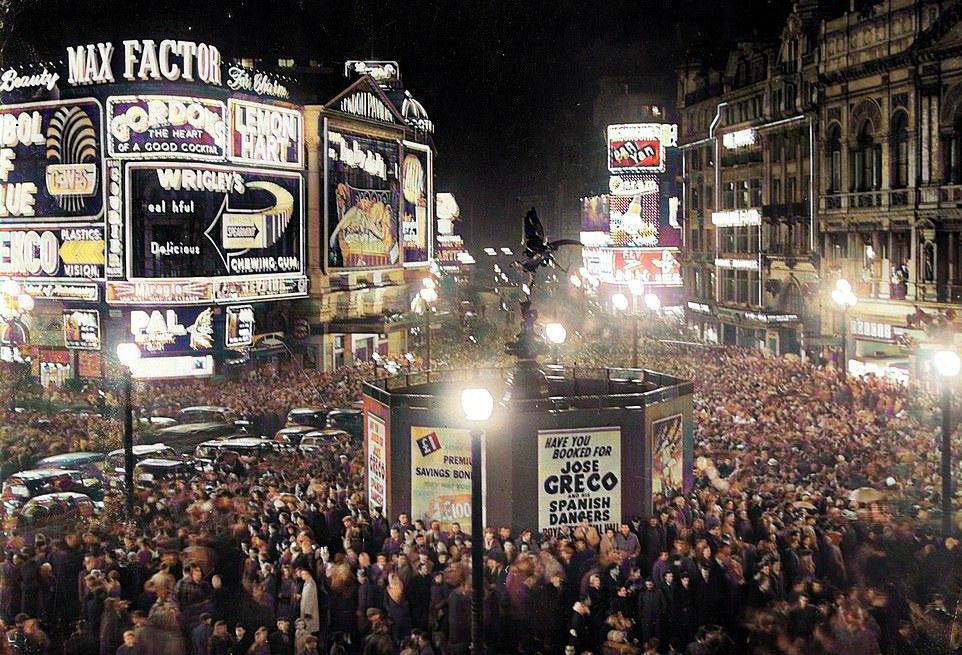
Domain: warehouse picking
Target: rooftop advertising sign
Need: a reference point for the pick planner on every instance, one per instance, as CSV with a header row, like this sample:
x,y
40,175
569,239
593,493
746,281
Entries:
x,y
417,190
212,221
166,127
265,134
50,162
363,201
640,147
654,266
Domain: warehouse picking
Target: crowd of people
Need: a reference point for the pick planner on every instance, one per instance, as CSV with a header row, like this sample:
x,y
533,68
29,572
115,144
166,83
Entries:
x,y
770,552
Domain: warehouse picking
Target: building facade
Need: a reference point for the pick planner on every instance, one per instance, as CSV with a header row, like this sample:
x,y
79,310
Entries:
x,y
828,154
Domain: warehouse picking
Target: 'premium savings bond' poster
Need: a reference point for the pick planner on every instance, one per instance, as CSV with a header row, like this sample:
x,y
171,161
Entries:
x,y
579,476
441,476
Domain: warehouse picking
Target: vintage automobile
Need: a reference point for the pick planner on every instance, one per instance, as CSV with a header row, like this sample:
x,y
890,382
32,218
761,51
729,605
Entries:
x,y
49,514
314,441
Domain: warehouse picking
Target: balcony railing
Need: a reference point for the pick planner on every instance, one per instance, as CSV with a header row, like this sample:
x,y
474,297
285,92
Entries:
x,y
877,199
786,210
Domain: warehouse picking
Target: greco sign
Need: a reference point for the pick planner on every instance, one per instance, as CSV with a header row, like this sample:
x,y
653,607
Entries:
x,y
579,478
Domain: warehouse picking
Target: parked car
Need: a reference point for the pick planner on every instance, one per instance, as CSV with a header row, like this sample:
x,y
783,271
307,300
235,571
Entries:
x,y
115,458
349,419
92,468
209,414
292,435
311,416
25,485
210,452
314,440
184,437
156,469
79,461
49,514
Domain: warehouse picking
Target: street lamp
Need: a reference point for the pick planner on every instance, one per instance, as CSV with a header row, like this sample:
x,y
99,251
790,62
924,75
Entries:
x,y
427,296
947,363
844,298
556,334
477,404
129,355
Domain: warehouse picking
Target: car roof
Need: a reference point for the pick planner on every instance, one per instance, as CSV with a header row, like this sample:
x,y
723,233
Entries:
x,y
187,428
305,410
205,408
40,474
246,441
294,429
70,457
143,449
60,495
327,432
352,411
158,462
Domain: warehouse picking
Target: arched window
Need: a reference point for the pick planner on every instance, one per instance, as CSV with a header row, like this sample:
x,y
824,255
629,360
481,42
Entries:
x,y
866,160
900,150
834,164
952,150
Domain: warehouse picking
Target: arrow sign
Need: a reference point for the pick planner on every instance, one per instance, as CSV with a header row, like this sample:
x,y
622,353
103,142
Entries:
x,y
243,230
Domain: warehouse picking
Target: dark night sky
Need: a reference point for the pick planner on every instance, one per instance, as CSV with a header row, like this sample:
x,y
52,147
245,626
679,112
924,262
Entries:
x,y
506,82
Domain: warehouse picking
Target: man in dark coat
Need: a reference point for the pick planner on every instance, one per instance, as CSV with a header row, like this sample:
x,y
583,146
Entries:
x,y
651,607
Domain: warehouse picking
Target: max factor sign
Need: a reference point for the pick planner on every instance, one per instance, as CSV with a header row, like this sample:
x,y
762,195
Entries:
x,y
145,59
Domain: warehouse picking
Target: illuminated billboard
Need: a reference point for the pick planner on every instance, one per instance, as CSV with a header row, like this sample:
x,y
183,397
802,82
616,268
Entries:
x,y
363,198
653,266
640,147
594,214
51,161
52,253
171,127
265,135
417,190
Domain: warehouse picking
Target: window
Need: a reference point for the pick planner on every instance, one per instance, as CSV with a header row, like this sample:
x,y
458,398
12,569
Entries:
x,y
728,200
791,144
776,142
285,63
744,198
834,159
790,190
866,160
776,195
755,192
709,198
900,150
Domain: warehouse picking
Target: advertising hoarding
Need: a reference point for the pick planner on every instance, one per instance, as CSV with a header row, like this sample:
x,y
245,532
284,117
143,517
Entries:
x,y
377,448
667,456
417,190
166,127
206,220
50,161
239,330
180,366
594,214
52,253
265,135
579,478
363,201
653,266
441,476
182,330
90,365
640,146
81,329
387,74
635,219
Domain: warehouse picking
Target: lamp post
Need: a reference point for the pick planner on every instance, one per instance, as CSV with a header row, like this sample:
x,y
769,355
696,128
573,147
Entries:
x,y
947,363
556,334
425,301
478,404
844,298
620,303
128,354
